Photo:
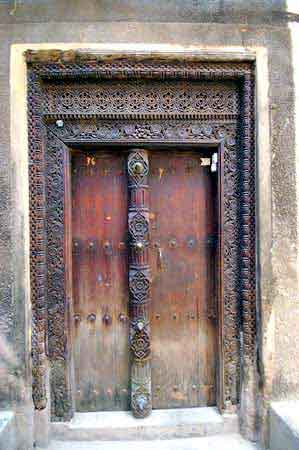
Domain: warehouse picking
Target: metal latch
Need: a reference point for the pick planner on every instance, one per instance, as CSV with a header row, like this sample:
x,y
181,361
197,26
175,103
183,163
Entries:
x,y
214,162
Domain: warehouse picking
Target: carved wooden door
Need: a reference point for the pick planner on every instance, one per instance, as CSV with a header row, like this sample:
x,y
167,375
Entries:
x,y
144,232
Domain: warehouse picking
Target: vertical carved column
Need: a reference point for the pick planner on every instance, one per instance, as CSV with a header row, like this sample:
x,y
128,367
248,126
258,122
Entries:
x,y
139,282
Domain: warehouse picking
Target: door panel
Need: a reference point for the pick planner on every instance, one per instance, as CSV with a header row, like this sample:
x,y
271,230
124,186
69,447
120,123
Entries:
x,y
182,206
182,258
100,281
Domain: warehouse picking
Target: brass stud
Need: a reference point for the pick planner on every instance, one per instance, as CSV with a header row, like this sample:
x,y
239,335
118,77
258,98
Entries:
x,y
107,319
191,243
191,315
139,246
172,243
91,317
140,325
138,168
123,318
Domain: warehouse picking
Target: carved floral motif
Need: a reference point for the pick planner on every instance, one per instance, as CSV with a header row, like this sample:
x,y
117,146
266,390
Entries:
x,y
95,130
138,226
141,97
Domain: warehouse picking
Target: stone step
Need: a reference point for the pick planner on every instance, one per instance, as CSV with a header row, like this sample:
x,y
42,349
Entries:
x,y
8,437
161,424
220,442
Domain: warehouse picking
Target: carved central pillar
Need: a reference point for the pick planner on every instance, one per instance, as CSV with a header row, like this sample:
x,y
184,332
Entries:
x,y
139,282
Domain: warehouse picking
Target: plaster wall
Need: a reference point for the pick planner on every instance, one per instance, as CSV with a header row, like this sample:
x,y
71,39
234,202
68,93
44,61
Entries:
x,y
217,25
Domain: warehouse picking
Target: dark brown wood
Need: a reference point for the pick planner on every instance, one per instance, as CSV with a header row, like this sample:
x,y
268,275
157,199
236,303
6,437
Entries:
x,y
234,133
100,271
183,204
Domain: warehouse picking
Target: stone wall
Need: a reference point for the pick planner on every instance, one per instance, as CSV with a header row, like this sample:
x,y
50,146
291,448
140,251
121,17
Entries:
x,y
214,23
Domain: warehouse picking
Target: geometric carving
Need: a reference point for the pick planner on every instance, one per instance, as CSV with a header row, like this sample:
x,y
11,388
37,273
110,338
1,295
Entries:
x,y
167,97
139,285
140,345
137,168
37,245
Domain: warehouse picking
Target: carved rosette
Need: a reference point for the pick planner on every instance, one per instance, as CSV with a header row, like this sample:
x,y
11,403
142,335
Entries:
x,y
139,282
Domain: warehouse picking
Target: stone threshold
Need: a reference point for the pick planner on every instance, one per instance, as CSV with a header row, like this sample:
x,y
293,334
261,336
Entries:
x,y
161,424
220,442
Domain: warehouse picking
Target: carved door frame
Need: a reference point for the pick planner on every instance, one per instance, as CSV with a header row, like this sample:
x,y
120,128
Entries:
x,y
54,132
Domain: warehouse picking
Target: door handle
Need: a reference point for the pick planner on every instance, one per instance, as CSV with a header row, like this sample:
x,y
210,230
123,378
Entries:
x,y
160,258
108,251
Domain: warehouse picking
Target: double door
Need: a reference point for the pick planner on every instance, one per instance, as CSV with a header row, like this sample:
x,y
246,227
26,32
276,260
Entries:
x,y
144,227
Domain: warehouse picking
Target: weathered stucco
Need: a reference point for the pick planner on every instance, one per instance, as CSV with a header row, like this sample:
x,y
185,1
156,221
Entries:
x,y
217,24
